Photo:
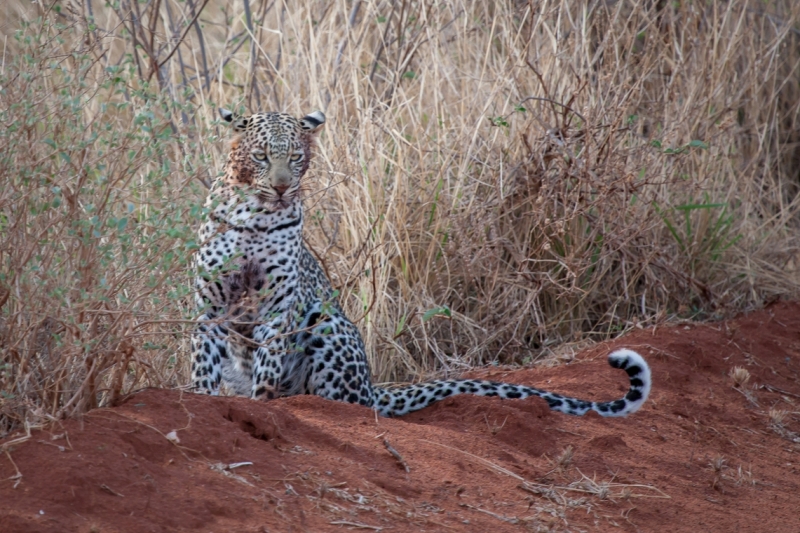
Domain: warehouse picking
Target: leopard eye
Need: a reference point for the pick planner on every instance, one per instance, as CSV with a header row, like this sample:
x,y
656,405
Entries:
x,y
296,157
260,156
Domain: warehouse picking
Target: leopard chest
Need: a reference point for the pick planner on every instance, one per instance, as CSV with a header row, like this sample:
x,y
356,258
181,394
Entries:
x,y
247,262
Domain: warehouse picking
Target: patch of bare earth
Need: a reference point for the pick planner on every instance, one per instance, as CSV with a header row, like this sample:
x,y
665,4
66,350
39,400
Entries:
x,y
702,455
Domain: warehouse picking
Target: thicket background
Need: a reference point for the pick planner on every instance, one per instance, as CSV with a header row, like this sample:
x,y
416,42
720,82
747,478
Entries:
x,y
495,179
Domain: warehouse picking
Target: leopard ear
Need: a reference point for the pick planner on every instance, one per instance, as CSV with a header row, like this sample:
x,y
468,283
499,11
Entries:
x,y
313,122
239,123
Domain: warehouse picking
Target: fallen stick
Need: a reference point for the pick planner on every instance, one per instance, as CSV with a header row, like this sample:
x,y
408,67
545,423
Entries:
x,y
396,455
355,524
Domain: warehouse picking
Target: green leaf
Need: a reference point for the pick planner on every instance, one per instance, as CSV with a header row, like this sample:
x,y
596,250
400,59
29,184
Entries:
x,y
698,144
499,121
436,311
692,207
401,326
670,227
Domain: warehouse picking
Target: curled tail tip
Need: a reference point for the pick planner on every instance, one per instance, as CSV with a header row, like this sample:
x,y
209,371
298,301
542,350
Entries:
x,y
624,357
639,374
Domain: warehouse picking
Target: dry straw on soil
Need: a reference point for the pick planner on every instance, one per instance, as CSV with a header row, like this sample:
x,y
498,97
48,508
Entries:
x,y
495,178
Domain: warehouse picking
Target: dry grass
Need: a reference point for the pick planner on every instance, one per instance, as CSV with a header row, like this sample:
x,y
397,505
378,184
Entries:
x,y
740,377
495,178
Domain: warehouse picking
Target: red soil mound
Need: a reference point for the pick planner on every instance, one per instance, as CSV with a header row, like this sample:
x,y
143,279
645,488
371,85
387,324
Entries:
x,y
701,455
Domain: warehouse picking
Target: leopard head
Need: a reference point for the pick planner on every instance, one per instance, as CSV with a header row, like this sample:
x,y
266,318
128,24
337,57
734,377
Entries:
x,y
270,152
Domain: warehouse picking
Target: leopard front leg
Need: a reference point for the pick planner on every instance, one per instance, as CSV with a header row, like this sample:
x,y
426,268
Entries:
x,y
209,349
272,342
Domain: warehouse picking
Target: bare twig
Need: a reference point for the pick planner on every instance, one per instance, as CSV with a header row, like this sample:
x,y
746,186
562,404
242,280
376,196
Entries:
x,y
17,477
779,391
355,524
510,520
111,491
182,37
201,41
396,455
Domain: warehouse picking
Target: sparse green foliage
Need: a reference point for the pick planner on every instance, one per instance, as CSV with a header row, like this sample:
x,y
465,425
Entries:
x,y
96,245
703,231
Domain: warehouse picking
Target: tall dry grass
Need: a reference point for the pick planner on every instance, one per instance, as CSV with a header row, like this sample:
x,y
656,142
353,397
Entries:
x,y
495,178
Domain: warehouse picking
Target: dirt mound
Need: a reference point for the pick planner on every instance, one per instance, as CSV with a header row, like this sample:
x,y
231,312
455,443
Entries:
x,y
701,455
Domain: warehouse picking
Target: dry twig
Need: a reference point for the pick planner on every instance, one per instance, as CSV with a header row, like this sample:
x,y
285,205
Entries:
x,y
396,455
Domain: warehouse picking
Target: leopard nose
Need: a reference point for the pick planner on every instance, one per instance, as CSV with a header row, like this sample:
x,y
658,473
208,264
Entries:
x,y
280,189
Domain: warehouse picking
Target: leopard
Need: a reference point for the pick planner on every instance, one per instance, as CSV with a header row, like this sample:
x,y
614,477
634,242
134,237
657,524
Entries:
x,y
270,323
